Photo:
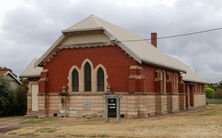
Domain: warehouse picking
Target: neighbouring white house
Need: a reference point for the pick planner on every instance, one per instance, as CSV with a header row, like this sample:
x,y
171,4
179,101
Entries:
x,y
14,81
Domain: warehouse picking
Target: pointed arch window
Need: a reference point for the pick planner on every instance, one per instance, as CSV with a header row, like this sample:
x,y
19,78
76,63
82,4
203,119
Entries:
x,y
100,80
75,80
87,77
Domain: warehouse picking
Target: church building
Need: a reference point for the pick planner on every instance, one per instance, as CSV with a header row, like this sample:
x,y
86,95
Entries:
x,y
94,58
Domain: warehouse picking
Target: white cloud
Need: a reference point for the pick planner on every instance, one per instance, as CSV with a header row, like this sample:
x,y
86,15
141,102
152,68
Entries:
x,y
28,28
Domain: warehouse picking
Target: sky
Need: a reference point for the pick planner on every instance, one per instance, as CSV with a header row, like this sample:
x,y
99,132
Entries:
x,y
29,27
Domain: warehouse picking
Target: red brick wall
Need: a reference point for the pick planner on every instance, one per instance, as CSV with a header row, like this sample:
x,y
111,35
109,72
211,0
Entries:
x,y
171,77
115,60
149,73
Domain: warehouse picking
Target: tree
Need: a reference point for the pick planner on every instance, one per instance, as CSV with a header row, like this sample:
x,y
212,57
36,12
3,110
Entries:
x,y
12,102
6,97
21,98
209,92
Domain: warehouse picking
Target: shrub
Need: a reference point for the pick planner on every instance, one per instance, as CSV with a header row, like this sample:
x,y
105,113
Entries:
x,y
209,92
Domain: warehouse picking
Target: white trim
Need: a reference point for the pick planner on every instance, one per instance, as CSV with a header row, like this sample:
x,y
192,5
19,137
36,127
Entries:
x,y
54,45
13,76
70,78
82,30
105,76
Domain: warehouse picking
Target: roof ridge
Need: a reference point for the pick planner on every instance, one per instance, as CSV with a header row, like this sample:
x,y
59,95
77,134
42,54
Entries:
x,y
95,19
77,23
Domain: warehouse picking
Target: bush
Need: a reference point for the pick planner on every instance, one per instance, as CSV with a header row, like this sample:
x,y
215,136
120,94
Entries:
x,y
209,92
12,102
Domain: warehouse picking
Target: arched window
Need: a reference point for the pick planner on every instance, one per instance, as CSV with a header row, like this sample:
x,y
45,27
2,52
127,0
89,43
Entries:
x,y
75,81
87,77
100,80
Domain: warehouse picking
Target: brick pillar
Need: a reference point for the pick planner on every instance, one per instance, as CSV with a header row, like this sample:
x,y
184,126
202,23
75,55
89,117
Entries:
x,y
132,83
181,85
182,101
169,103
169,90
182,93
43,94
158,104
169,84
192,96
158,84
140,80
136,79
158,81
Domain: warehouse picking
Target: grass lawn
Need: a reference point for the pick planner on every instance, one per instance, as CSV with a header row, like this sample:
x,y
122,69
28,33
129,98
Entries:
x,y
204,123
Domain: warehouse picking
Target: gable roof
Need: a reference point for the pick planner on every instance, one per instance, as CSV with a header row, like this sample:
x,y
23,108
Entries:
x,y
10,74
31,71
191,76
141,51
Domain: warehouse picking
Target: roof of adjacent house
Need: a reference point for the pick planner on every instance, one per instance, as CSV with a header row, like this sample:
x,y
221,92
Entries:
x,y
6,72
31,71
141,51
3,72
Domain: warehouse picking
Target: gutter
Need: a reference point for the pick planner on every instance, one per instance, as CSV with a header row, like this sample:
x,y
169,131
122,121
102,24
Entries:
x,y
162,66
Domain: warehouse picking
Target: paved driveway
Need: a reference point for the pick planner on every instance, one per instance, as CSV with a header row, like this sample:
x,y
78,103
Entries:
x,y
9,125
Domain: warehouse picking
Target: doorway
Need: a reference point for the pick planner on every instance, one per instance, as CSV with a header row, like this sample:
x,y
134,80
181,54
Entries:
x,y
35,91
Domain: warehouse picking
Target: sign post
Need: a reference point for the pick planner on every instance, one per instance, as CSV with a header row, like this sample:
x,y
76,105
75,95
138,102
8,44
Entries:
x,y
112,106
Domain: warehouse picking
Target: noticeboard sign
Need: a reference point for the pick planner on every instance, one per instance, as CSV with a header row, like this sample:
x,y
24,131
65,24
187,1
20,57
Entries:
x,y
112,107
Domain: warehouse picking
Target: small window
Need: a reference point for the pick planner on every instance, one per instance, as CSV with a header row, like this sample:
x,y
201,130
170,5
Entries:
x,y
75,81
100,80
87,77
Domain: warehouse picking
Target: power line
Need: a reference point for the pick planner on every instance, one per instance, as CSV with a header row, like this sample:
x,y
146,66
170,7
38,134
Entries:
x,y
178,35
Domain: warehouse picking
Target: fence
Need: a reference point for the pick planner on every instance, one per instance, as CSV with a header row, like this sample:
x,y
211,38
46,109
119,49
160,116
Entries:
x,y
214,101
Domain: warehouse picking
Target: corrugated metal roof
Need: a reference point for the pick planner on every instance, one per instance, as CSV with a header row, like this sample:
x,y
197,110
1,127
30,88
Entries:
x,y
6,72
3,72
191,76
31,71
141,51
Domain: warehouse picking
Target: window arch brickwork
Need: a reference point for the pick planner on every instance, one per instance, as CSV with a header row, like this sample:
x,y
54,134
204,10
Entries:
x,y
75,81
100,80
89,79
